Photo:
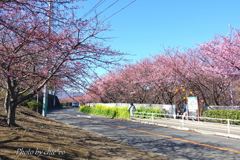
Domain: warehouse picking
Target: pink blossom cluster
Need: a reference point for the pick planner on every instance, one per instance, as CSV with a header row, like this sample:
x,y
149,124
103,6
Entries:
x,y
209,71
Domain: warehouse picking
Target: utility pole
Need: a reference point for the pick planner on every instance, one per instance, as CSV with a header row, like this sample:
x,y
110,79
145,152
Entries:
x,y
45,100
45,90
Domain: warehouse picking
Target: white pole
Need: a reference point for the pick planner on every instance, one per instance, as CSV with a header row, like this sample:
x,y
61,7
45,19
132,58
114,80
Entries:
x,y
228,126
45,92
45,100
174,111
152,117
183,120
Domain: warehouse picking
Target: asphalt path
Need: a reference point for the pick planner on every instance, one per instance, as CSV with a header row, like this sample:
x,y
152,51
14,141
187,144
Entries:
x,y
172,143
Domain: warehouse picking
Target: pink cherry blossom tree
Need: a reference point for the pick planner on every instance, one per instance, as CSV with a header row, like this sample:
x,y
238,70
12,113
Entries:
x,y
209,71
188,67
223,53
43,44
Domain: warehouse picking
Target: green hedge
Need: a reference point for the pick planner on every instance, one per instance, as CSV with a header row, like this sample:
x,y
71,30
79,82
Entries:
x,y
223,114
66,104
119,112
146,112
34,105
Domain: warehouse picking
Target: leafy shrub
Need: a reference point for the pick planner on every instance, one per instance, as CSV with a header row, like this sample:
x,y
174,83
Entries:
x,y
34,105
146,112
119,112
85,109
66,104
222,114
25,102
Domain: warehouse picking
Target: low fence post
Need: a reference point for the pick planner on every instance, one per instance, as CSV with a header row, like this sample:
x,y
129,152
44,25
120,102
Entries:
x,y
152,117
182,120
228,126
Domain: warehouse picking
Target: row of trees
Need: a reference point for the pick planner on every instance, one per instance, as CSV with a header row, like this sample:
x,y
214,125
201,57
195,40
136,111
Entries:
x,y
209,71
45,42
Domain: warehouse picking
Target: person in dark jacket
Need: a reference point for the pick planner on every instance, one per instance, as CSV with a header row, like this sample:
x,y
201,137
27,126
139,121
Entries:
x,y
131,108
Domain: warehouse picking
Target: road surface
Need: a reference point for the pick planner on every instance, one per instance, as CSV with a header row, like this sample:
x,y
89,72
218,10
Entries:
x,y
175,144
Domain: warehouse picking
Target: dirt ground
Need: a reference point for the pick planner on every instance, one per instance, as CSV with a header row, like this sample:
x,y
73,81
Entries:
x,y
38,137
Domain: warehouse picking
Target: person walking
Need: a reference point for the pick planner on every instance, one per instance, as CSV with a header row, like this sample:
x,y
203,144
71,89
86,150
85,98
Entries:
x,y
131,108
184,111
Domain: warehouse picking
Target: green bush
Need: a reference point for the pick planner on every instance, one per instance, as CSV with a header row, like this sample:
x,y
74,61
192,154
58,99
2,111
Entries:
x,y
119,112
147,111
34,105
85,109
223,114
66,104
24,103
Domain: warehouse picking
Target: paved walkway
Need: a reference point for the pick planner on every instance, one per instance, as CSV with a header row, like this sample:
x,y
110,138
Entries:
x,y
201,127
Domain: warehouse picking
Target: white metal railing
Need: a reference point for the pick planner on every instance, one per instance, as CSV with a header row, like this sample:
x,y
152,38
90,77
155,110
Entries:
x,y
154,116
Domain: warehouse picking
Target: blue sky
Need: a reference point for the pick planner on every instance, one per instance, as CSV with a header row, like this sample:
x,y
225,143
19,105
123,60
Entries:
x,y
143,27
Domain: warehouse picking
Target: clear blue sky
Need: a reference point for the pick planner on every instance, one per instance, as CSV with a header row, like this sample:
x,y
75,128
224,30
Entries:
x,y
145,25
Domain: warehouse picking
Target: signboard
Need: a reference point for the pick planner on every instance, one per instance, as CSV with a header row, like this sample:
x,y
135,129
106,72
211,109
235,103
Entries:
x,y
169,108
192,104
166,107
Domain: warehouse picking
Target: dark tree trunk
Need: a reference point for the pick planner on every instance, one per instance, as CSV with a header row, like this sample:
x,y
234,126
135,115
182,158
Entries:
x,y
11,114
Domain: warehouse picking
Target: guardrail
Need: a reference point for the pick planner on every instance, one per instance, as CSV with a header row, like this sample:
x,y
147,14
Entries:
x,y
154,116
